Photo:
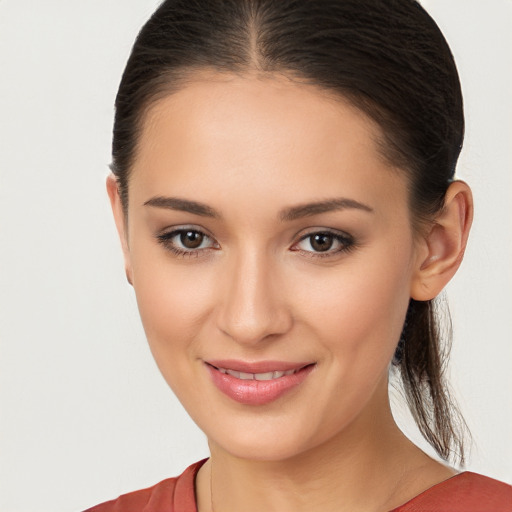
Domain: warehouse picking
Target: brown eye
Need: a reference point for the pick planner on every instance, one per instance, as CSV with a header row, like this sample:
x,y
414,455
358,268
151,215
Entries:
x,y
187,242
191,239
321,242
324,243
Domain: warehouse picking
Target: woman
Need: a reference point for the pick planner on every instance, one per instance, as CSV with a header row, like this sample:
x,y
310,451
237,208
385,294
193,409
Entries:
x,y
283,187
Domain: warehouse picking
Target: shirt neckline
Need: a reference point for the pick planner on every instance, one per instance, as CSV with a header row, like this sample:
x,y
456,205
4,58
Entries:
x,y
429,490
185,494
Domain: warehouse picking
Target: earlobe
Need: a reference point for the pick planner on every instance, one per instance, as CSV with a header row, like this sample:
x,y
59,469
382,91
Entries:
x,y
120,220
445,243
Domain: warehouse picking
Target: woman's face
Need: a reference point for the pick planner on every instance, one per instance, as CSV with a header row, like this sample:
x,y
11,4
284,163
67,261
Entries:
x,y
266,234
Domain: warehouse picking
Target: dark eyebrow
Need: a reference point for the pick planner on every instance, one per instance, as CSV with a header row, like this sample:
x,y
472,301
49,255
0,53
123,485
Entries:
x,y
184,205
329,205
288,214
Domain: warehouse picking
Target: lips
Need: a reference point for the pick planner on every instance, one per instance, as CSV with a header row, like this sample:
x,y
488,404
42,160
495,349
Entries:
x,y
257,383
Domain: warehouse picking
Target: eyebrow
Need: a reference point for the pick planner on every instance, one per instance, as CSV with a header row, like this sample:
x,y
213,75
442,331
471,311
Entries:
x,y
329,205
184,205
288,214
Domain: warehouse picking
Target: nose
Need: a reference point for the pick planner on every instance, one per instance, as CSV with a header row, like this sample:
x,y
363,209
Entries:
x,y
254,306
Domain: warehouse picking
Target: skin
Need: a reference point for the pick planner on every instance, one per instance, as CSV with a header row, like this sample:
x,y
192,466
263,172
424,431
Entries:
x,y
256,289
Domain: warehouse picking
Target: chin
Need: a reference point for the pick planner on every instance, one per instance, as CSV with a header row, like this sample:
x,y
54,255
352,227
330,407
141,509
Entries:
x,y
267,440
263,450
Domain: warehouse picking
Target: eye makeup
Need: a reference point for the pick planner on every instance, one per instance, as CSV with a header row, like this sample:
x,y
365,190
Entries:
x,y
187,242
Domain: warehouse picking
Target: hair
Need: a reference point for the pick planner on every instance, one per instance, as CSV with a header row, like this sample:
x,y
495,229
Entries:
x,y
386,57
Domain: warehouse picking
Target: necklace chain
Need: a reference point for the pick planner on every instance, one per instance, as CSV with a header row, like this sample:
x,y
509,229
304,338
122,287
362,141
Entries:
x,y
211,485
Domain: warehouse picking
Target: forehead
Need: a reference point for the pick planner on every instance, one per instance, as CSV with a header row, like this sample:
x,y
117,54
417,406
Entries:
x,y
257,133
259,109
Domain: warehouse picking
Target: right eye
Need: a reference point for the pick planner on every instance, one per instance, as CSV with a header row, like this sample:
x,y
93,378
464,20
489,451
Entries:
x,y
186,241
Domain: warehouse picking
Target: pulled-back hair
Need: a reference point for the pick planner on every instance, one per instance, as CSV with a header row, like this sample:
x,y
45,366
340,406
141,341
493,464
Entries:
x,y
386,57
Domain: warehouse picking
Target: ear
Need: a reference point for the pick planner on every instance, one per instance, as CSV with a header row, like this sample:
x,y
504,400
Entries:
x,y
120,220
442,248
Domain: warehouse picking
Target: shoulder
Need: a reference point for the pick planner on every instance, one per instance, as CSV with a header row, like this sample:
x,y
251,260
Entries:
x,y
170,495
465,492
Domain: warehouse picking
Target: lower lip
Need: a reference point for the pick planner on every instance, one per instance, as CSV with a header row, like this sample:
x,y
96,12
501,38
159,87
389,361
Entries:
x,y
257,392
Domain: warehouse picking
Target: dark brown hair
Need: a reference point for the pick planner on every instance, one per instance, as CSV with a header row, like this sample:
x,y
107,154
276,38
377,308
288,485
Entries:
x,y
388,58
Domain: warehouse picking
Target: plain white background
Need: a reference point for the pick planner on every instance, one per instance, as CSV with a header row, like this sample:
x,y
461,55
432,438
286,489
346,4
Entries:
x,y
84,412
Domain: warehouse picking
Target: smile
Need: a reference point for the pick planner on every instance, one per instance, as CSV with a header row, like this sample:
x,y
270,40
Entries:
x,y
257,383
257,376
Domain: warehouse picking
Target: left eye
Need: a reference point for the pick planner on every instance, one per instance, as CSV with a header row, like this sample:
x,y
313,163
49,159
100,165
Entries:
x,y
324,242
190,239
185,240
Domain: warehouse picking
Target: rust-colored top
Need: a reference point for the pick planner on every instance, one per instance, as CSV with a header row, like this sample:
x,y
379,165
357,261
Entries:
x,y
465,492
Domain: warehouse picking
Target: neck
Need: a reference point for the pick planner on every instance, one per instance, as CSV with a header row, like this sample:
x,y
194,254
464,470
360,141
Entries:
x,y
369,466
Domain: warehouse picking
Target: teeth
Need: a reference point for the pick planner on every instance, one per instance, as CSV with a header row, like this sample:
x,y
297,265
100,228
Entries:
x,y
266,376
256,376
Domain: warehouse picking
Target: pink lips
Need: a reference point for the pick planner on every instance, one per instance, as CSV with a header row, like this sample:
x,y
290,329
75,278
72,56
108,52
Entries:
x,y
257,392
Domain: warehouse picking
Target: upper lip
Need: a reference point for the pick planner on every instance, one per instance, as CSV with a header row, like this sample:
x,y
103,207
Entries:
x,y
257,366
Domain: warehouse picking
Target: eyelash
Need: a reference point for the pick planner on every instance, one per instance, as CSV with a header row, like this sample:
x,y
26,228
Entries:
x,y
347,244
166,240
346,241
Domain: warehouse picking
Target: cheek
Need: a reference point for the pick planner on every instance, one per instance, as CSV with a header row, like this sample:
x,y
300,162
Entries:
x,y
358,309
174,303
356,319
